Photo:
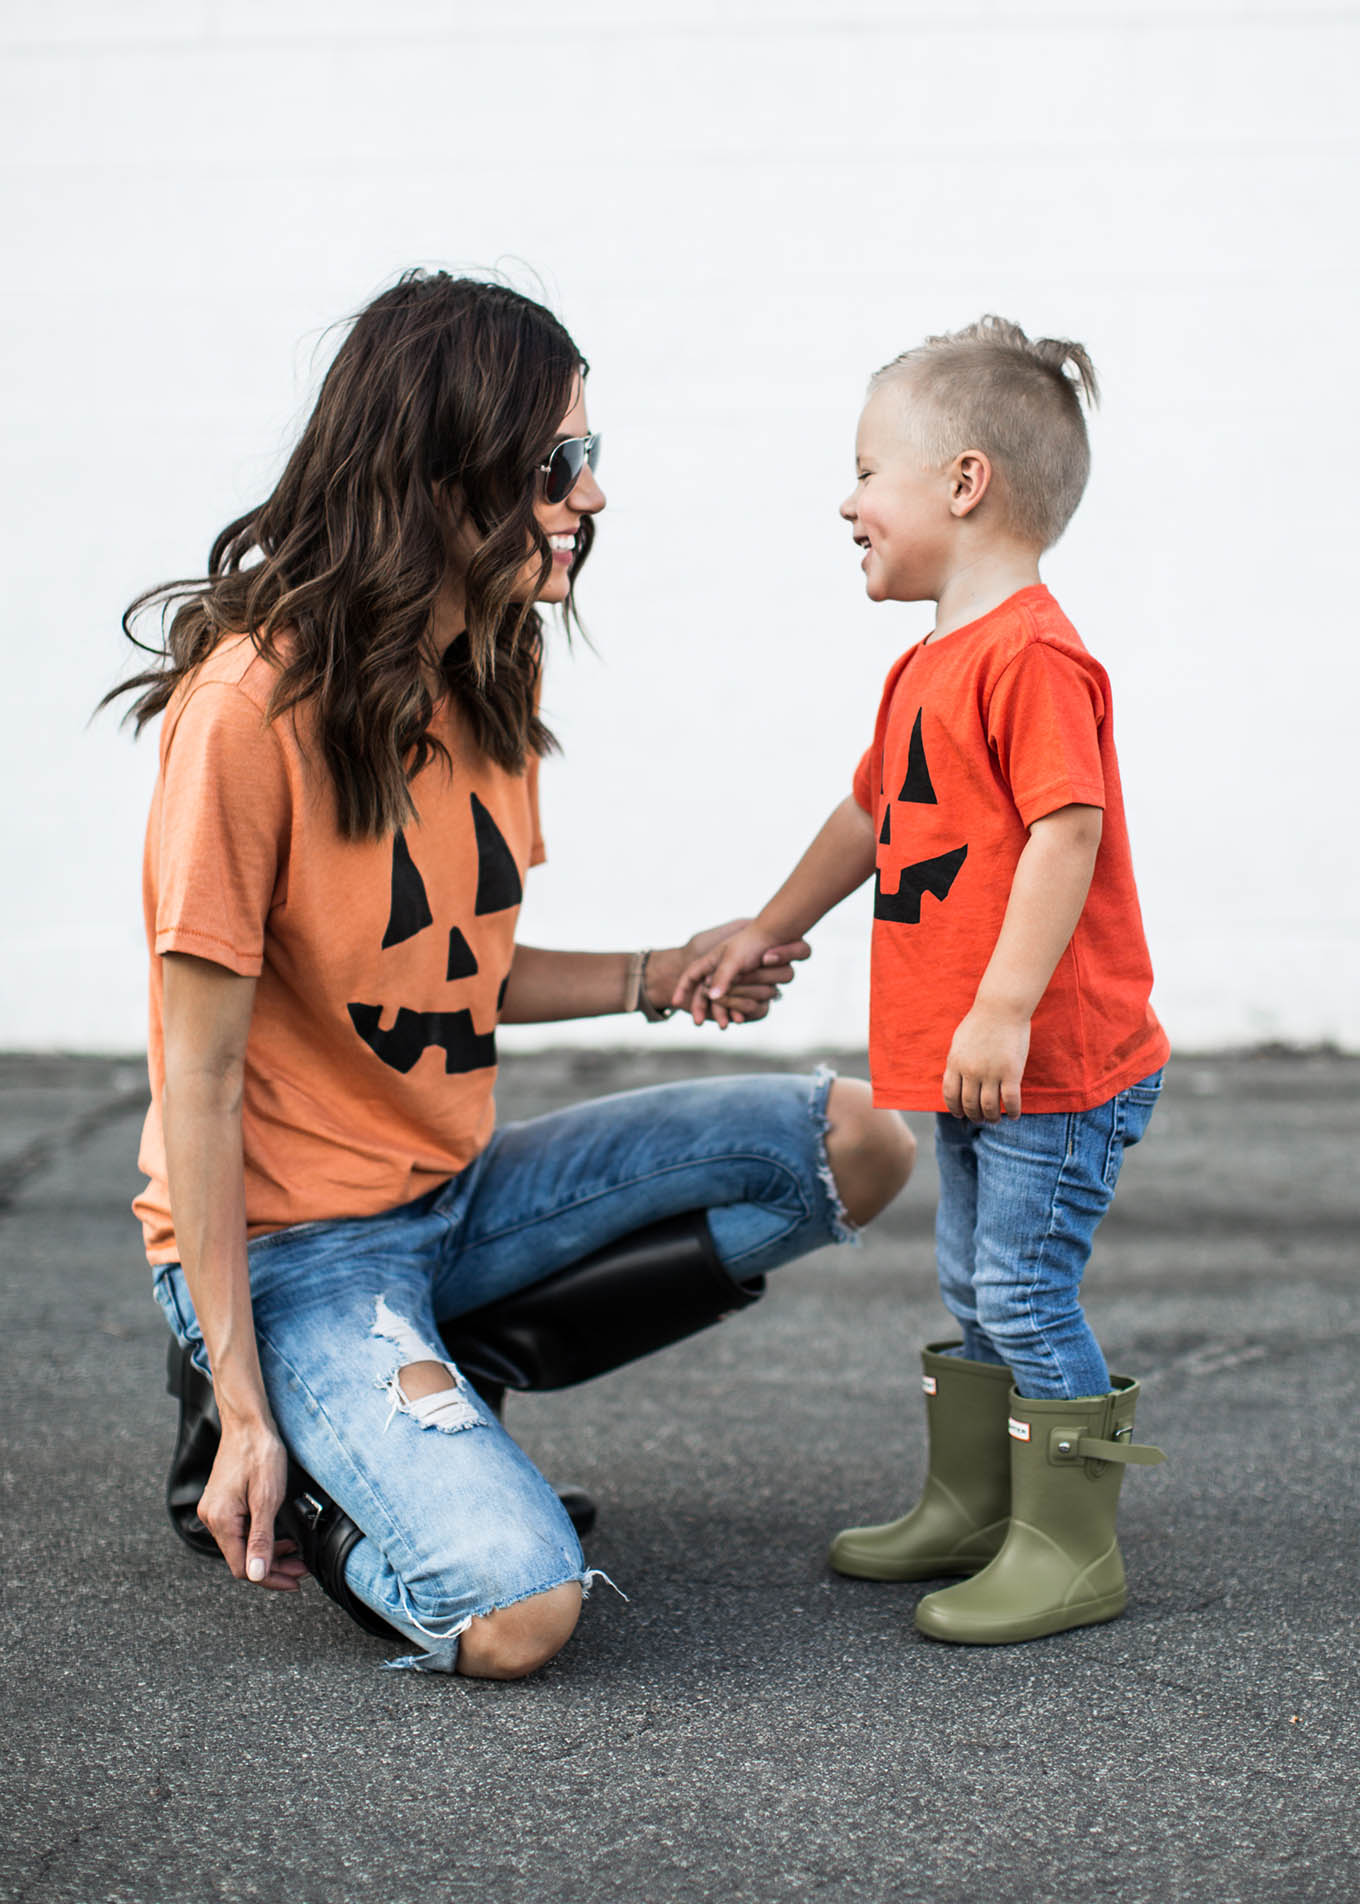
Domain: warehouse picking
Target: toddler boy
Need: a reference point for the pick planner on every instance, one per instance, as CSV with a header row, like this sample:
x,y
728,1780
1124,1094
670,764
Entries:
x,y
1010,977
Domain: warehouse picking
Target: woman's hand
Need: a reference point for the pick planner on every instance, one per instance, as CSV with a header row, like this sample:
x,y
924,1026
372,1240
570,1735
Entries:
x,y
750,968
244,1493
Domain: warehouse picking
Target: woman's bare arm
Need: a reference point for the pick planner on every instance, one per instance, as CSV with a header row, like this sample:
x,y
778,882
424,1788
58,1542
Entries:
x,y
547,985
206,1014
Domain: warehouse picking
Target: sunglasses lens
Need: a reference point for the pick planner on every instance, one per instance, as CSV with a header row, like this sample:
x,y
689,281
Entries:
x,y
564,466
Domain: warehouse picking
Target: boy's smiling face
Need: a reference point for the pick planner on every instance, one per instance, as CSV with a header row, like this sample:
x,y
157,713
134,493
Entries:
x,y
899,509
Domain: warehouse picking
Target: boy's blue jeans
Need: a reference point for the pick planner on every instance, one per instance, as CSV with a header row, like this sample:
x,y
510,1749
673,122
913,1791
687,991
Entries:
x,y
1019,1206
457,1518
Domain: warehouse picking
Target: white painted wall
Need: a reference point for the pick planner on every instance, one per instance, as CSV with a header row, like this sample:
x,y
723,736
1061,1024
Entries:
x,y
740,209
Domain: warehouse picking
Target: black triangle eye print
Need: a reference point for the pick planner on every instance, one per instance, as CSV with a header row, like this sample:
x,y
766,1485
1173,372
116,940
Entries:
x,y
414,1031
916,788
498,883
410,908
934,876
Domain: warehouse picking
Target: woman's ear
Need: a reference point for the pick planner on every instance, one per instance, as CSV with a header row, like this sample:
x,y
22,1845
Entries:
x,y
461,539
450,502
970,477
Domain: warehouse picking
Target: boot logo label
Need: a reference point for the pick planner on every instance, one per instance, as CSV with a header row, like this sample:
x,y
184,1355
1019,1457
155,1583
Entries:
x,y
1019,1430
928,1384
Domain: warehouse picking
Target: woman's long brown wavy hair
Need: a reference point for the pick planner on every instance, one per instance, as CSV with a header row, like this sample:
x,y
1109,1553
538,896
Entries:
x,y
441,402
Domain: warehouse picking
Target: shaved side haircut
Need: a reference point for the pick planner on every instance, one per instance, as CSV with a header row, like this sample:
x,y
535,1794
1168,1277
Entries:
x,y
989,387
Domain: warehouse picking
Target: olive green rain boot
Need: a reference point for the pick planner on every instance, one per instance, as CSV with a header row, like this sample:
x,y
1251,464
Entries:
x,y
960,1520
1060,1564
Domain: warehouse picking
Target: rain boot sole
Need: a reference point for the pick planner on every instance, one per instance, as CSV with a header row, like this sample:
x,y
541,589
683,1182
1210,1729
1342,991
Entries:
x,y
1108,1606
931,1567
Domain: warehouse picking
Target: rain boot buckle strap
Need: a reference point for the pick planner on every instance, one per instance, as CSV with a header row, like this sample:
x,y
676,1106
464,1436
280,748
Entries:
x,y
1069,1444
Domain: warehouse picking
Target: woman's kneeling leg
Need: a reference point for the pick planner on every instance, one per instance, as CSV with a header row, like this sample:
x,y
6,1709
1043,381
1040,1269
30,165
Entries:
x,y
468,1553
871,1152
517,1640
510,1641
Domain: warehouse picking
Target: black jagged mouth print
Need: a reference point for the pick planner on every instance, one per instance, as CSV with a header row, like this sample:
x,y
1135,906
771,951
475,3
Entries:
x,y
401,1048
933,876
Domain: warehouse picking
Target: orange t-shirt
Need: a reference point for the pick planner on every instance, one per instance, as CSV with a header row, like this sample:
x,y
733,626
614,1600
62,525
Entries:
x,y
979,735
380,964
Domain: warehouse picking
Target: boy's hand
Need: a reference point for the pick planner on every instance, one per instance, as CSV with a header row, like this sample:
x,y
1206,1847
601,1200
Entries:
x,y
985,1065
735,966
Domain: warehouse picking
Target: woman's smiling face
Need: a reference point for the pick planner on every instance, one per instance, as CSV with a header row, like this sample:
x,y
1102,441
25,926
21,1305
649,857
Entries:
x,y
560,521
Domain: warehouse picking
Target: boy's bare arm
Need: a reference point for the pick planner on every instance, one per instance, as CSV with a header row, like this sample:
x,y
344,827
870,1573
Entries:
x,y
839,859
987,1055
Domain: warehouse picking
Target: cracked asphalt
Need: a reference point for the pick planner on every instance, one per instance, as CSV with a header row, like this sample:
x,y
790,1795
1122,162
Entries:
x,y
744,1726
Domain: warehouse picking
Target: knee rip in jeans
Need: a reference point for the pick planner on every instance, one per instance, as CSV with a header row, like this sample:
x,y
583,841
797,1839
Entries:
x,y
446,1406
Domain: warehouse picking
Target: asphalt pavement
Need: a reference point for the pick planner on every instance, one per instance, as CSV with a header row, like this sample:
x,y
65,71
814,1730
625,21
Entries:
x,y
745,1726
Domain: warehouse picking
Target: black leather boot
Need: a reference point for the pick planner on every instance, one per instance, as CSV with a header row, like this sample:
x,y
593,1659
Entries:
x,y
200,1430
322,1532
652,1287
649,1289
323,1535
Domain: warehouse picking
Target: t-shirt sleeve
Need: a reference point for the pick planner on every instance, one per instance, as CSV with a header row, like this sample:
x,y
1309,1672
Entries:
x,y
863,784
1043,723
225,816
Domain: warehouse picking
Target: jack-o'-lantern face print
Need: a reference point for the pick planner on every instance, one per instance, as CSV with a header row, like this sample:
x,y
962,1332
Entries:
x,y
934,875
451,954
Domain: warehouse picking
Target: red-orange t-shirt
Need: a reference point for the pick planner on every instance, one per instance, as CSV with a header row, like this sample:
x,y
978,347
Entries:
x,y
380,964
978,735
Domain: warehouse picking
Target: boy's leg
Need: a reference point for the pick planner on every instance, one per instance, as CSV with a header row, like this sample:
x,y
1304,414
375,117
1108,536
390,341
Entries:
x,y
956,1218
960,1520
1044,1183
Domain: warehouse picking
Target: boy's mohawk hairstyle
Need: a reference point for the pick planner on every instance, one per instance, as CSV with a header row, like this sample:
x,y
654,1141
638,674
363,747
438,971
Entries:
x,y
990,387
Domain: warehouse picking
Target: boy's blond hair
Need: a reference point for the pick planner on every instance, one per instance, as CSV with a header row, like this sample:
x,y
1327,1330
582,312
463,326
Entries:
x,y
989,387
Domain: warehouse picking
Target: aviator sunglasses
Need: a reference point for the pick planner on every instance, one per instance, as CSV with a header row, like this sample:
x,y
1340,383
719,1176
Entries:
x,y
563,468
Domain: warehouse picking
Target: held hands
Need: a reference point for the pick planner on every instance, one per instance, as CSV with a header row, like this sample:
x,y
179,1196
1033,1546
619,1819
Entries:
x,y
985,1064
245,1491
733,973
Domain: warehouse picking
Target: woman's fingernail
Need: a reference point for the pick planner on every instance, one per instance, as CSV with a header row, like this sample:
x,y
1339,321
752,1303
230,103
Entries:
x,y
255,1568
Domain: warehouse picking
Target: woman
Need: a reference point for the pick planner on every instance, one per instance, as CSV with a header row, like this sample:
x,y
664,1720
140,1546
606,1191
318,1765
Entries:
x,y
344,815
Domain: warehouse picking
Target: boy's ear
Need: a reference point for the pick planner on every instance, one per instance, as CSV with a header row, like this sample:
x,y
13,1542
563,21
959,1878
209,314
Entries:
x,y
970,477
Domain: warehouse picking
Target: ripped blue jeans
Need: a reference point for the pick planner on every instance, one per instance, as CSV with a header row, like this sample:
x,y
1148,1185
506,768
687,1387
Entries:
x,y
458,1521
